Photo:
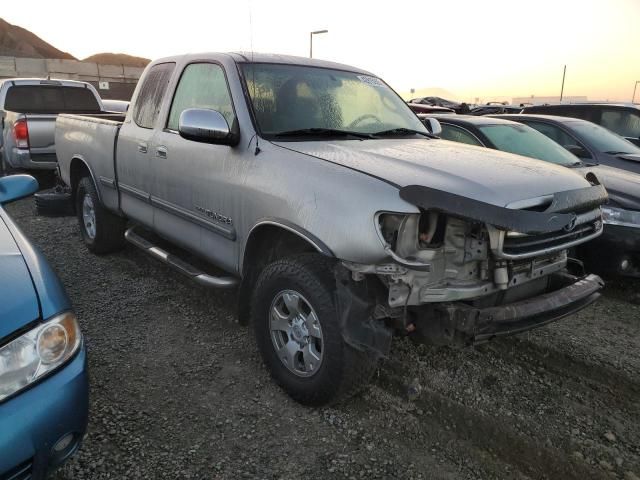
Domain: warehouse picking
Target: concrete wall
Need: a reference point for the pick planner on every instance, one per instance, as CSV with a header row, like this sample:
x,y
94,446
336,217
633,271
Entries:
x,y
552,99
120,80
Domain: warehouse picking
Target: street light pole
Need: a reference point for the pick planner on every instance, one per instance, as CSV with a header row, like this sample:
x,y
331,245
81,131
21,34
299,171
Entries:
x,y
311,34
634,91
564,73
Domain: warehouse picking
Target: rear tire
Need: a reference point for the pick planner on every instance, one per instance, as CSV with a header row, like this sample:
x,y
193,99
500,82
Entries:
x,y
296,295
101,230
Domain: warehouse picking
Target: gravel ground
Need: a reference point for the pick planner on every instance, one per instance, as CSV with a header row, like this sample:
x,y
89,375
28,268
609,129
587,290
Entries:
x,y
178,389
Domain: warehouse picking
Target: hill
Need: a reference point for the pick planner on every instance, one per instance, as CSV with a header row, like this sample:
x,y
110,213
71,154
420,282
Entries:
x,y
18,42
117,59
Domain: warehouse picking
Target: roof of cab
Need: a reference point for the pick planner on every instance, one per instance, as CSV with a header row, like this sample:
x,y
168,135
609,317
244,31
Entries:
x,y
45,81
534,116
256,57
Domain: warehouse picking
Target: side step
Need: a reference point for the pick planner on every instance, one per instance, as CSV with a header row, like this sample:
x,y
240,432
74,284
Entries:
x,y
176,263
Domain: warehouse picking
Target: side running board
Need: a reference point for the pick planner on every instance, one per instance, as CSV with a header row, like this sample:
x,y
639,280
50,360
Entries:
x,y
176,263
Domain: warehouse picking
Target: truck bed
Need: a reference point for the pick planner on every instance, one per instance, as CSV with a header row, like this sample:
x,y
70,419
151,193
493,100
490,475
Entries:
x,y
91,138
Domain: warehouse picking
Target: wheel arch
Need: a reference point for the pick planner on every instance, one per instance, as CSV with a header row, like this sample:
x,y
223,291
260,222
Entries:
x,y
269,240
77,168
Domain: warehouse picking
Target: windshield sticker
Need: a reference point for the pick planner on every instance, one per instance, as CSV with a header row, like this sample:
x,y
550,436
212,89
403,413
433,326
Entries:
x,y
374,81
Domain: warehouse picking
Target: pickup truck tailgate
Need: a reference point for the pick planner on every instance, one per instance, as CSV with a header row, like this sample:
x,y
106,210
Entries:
x,y
42,129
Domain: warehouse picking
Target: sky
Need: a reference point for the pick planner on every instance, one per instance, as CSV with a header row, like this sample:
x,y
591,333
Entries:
x,y
484,49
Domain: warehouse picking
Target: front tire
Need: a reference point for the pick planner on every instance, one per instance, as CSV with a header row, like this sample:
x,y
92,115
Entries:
x,y
297,329
101,230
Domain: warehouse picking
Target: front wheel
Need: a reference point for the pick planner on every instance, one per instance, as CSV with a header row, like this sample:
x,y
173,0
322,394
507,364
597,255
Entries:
x,y
101,230
297,329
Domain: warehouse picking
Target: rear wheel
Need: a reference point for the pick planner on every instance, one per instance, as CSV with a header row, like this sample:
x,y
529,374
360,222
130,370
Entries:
x,y
297,329
101,230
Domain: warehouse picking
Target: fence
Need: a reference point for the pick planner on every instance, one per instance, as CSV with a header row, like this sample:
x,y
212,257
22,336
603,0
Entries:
x,y
112,81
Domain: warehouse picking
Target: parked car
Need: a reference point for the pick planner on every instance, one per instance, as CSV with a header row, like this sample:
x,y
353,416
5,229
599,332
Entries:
x,y
438,102
422,108
616,163
28,110
117,106
493,108
43,377
588,141
621,118
337,214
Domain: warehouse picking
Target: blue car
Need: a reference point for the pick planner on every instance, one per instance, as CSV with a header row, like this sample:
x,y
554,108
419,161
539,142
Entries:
x,y
43,365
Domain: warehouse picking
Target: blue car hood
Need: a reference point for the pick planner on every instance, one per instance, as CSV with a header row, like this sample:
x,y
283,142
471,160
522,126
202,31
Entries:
x,y
18,298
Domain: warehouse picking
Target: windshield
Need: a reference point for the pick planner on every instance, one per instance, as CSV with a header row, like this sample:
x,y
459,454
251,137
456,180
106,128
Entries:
x,y
288,98
526,141
604,140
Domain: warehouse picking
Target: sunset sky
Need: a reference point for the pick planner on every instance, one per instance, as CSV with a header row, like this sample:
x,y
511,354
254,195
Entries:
x,y
486,49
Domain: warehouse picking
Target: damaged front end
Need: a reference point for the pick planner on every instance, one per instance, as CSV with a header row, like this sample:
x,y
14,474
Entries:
x,y
464,271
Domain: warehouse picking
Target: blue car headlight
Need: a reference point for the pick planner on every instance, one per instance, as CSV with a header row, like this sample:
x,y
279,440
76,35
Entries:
x,y
38,352
620,216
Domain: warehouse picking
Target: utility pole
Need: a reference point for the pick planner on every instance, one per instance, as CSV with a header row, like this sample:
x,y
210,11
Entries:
x,y
634,91
311,34
564,72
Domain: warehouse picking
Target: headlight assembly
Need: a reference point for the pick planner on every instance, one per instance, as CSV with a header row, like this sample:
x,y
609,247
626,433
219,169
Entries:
x,y
410,238
38,352
620,216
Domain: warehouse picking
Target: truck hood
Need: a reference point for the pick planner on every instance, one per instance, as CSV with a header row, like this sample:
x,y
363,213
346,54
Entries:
x,y
18,297
482,174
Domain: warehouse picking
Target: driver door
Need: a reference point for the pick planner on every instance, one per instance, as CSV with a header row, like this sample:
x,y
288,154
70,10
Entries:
x,y
192,194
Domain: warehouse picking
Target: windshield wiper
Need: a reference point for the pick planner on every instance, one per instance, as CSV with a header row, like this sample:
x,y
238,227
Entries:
x,y
403,131
322,132
613,152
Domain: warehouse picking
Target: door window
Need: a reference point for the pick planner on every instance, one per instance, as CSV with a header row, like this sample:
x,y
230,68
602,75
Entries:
x,y
202,85
147,105
622,122
557,135
457,134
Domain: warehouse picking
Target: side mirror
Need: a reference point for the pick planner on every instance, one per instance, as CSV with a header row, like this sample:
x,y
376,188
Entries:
x,y
433,125
207,126
578,151
15,187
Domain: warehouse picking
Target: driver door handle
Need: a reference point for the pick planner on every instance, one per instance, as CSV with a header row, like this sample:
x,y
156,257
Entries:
x,y
161,152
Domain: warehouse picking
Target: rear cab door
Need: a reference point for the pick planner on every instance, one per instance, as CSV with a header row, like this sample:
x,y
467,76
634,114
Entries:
x,y
134,169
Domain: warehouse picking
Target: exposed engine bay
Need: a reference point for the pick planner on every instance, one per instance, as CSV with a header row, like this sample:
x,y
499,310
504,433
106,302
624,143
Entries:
x,y
453,271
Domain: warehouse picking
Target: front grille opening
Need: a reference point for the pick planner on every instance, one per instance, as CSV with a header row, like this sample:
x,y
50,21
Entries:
x,y
20,472
533,243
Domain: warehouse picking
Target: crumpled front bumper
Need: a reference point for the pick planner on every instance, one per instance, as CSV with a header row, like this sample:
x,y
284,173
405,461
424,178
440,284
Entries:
x,y
461,323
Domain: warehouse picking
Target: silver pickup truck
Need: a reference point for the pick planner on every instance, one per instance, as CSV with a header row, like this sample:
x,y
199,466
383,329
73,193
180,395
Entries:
x,y
339,216
28,111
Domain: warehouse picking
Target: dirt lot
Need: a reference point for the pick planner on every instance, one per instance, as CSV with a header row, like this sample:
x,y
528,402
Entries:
x,y
178,390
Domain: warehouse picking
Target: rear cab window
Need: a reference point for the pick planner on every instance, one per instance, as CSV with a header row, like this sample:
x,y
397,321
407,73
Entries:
x,y
149,100
50,99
